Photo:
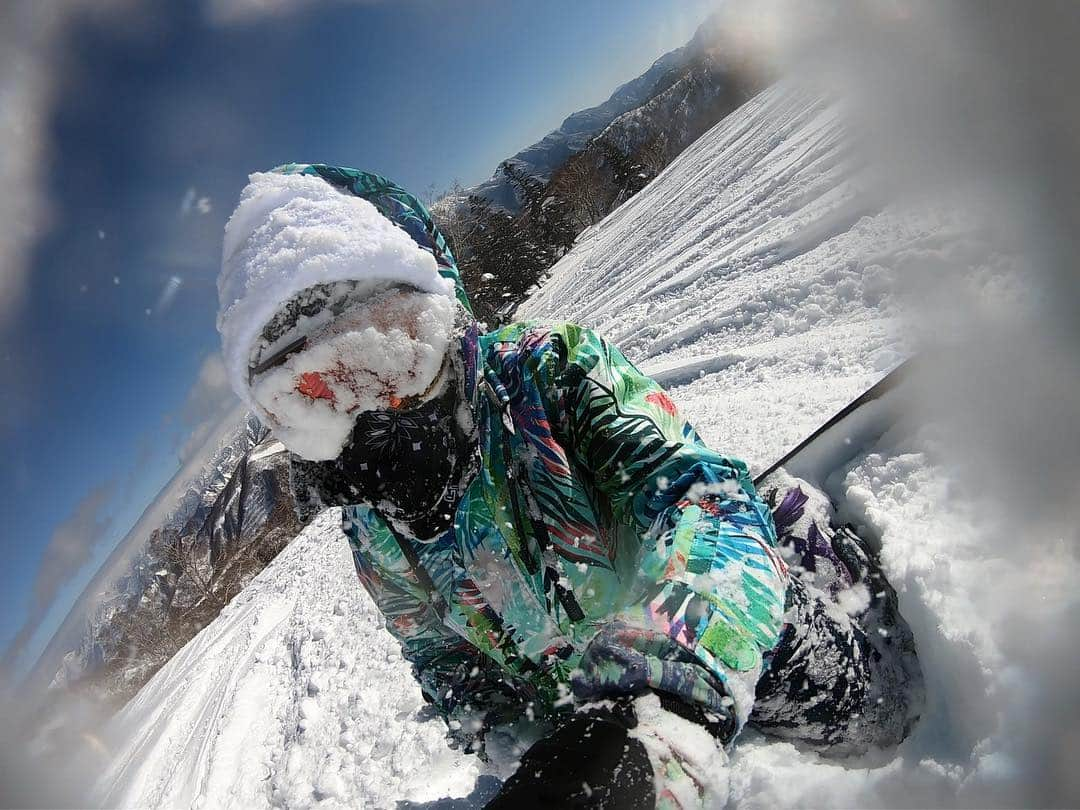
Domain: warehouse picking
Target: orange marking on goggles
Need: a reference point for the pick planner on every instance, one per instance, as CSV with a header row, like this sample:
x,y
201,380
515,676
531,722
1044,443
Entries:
x,y
313,386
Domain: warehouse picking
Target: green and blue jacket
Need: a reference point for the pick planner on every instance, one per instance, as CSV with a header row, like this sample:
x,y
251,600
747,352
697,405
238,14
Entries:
x,y
600,549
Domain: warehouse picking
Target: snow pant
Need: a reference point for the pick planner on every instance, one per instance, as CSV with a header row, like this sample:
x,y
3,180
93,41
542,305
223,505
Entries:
x,y
840,681
844,679
588,761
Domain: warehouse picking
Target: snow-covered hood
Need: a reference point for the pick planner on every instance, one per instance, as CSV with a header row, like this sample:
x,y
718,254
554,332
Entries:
x,y
299,226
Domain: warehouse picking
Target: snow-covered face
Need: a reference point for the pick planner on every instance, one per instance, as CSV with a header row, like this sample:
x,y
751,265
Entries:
x,y
387,351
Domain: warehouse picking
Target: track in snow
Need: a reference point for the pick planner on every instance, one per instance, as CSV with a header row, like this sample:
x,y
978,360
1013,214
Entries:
x,y
294,696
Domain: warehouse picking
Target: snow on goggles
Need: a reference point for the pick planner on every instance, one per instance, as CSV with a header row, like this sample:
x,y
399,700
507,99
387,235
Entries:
x,y
312,385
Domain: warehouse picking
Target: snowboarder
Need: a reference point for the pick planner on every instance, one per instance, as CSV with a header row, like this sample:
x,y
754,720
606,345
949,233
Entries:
x,y
559,553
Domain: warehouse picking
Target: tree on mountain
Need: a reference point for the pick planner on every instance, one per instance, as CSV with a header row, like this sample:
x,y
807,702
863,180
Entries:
x,y
653,156
502,255
494,260
544,217
587,188
451,213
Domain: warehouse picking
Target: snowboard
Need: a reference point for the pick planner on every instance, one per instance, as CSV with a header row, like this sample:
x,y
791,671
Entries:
x,y
851,430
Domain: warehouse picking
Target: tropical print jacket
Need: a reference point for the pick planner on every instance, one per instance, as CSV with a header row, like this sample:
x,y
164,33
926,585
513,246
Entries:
x,y
599,549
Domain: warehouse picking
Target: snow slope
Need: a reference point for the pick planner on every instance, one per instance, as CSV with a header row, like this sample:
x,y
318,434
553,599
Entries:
x,y
294,696
754,267
759,278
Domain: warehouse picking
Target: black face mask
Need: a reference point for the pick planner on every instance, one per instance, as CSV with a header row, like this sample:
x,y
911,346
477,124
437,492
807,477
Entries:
x,y
408,465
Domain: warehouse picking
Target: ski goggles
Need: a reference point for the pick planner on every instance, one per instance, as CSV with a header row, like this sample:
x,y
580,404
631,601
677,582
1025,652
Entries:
x,y
276,359
312,385
390,352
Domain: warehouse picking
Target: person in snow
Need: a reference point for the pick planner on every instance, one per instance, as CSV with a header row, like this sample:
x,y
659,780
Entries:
x,y
557,550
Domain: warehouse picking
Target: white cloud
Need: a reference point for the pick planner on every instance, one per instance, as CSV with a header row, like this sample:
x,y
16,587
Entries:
x,y
31,33
69,549
206,404
241,12
27,32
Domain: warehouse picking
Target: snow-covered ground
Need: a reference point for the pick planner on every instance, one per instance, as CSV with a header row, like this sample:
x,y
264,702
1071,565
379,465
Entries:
x,y
759,278
294,696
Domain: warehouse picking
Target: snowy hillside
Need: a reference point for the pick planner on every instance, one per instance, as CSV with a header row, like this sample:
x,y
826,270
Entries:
x,y
758,279
294,696
749,274
225,512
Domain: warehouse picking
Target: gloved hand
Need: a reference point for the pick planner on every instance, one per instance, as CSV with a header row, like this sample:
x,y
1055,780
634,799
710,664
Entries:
x,y
623,660
589,760
621,754
689,764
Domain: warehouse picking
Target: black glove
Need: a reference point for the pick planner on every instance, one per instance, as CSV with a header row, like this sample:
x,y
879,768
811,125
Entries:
x,y
590,760
411,463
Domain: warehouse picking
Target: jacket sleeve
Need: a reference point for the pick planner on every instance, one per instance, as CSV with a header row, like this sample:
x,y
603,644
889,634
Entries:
x,y
708,601
465,687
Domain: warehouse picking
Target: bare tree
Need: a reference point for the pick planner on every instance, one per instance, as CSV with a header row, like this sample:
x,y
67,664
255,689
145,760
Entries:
x,y
586,187
653,156
451,214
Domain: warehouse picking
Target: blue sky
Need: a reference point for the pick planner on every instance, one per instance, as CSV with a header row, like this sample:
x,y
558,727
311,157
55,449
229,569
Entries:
x,y
138,129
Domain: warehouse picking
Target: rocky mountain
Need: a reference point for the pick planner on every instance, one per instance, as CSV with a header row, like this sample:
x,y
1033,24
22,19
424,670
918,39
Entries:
x,y
229,520
573,135
507,233
690,102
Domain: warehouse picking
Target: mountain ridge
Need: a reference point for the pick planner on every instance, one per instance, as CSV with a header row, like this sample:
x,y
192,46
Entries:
x,y
577,129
